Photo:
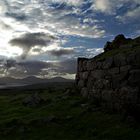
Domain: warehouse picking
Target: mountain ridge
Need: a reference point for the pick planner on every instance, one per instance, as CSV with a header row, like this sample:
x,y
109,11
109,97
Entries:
x,y
32,80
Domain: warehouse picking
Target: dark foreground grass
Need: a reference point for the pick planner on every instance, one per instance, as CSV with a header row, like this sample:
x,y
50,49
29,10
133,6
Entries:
x,y
60,117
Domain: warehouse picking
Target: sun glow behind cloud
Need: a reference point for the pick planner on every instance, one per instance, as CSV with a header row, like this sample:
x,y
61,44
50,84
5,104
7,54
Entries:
x,y
14,52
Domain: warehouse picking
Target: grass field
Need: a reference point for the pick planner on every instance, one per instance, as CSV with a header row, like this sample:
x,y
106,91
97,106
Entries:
x,y
60,117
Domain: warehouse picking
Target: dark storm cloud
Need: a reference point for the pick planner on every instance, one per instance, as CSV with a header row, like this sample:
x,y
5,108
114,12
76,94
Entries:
x,y
23,69
68,66
61,52
30,40
36,50
64,67
37,68
33,67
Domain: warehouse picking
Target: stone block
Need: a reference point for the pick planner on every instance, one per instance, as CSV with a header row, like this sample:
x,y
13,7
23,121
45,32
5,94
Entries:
x,y
84,92
134,78
81,83
114,70
120,60
107,63
125,68
85,75
107,95
91,65
97,74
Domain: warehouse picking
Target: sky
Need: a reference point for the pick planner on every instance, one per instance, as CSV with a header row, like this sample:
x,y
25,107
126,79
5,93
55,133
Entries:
x,y
44,38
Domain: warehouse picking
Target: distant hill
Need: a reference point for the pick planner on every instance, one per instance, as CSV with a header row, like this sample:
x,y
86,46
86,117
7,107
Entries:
x,y
32,80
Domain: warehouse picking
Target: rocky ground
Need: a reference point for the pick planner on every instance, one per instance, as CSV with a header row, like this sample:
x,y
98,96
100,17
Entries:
x,y
60,114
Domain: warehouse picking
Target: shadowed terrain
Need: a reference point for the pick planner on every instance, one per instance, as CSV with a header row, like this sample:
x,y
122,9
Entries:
x,y
59,113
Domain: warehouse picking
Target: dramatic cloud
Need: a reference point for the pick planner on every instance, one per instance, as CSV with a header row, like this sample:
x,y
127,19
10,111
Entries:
x,y
29,40
68,66
62,51
53,33
37,68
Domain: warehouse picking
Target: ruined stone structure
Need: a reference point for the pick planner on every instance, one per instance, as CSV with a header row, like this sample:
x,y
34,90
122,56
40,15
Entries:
x,y
113,77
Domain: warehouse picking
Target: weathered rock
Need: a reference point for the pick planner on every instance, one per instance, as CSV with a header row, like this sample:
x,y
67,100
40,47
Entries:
x,y
134,78
125,68
96,93
113,77
97,74
119,41
84,92
81,83
81,64
131,59
85,75
137,57
91,65
118,78
102,84
107,95
99,84
119,60
99,65
32,100
114,71
84,65
128,95
90,82
107,63
108,46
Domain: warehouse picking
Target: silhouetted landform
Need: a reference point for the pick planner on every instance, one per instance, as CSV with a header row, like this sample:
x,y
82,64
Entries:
x,y
121,42
32,80
113,77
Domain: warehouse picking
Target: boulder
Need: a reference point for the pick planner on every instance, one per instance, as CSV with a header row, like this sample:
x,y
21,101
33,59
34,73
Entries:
x,y
119,39
33,100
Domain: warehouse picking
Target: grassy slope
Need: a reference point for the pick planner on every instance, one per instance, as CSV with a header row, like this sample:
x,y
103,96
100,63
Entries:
x,y
73,122
114,52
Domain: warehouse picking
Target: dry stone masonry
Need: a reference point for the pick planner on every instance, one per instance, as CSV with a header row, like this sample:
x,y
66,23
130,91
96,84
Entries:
x,y
113,77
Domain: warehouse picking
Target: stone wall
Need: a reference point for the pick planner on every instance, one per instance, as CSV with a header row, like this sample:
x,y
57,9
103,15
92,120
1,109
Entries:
x,y
112,77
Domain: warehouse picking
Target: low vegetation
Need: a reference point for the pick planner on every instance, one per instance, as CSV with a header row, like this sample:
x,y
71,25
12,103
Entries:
x,y
63,115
